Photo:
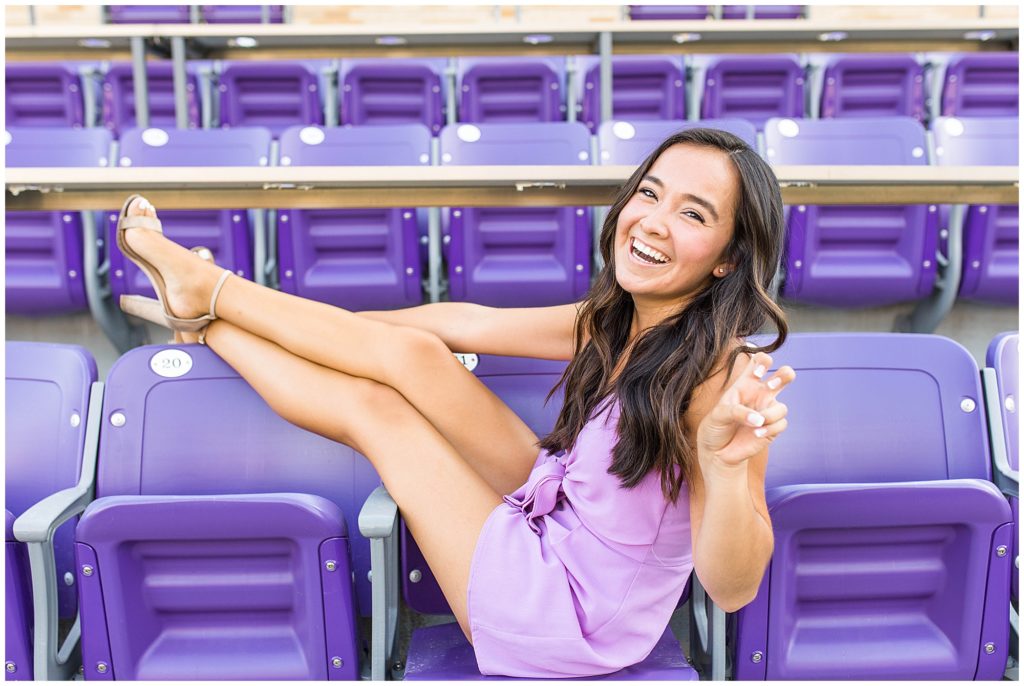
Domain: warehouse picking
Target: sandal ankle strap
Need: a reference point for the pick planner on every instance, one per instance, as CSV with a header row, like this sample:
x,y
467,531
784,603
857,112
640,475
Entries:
x,y
216,292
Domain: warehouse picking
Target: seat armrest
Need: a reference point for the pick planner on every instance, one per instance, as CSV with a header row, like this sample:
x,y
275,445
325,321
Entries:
x,y
1007,478
378,521
35,527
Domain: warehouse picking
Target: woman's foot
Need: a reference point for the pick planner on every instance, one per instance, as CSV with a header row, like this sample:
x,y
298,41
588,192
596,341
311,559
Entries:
x,y
189,279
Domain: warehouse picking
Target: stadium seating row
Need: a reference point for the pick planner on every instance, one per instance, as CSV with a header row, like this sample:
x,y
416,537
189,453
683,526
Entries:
x,y
839,256
279,94
246,551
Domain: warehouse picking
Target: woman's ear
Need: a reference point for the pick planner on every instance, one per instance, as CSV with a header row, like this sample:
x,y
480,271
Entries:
x,y
723,270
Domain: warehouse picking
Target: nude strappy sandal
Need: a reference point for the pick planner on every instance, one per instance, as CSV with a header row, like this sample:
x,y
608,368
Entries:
x,y
156,311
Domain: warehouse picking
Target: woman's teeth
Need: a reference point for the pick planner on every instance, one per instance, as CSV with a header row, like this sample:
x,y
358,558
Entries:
x,y
648,254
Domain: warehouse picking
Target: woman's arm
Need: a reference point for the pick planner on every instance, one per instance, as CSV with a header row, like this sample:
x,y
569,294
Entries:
x,y
541,332
730,526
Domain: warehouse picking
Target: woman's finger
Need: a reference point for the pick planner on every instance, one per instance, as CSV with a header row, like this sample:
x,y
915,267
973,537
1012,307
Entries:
x,y
770,431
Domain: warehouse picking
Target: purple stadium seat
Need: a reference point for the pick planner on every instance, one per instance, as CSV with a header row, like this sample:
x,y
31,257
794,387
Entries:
x,y
392,91
856,255
148,14
43,250
357,259
629,142
224,537
753,88
274,94
763,11
668,12
517,256
990,268
225,232
119,96
1003,355
982,84
240,14
47,392
43,94
643,87
511,89
873,86
442,652
886,530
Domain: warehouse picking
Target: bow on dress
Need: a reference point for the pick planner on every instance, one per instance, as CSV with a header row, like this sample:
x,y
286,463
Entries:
x,y
542,492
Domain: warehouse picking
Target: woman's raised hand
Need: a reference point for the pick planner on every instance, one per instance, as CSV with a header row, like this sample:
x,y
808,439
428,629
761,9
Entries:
x,y
747,417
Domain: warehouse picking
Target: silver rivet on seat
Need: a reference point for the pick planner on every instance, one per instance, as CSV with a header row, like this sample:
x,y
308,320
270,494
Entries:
x,y
101,667
990,648
76,419
369,576
86,570
415,576
337,662
118,419
579,267
11,667
331,565
967,405
458,270
1001,551
1010,404
756,656
69,579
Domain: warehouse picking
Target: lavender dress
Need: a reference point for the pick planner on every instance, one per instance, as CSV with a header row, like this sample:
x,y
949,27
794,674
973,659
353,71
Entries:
x,y
574,575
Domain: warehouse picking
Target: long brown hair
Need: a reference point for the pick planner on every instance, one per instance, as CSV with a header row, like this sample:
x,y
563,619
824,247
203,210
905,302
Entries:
x,y
669,360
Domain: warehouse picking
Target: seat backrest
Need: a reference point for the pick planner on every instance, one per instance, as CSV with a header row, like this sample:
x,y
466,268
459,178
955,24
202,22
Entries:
x,y
224,231
661,12
43,94
511,89
630,142
763,11
240,14
753,88
275,94
873,86
1003,355
982,84
359,259
644,87
850,390
148,14
119,96
522,384
47,404
182,422
871,140
392,91
976,140
39,147
515,144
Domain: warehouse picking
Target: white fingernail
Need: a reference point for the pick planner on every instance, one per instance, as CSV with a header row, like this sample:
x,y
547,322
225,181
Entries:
x,y
754,419
774,383
759,371
760,433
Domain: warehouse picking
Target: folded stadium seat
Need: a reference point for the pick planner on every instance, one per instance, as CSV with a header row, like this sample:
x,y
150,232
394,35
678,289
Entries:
x,y
392,91
990,232
669,12
887,532
275,94
48,396
119,96
872,86
643,87
240,14
856,255
359,259
630,142
43,250
1003,356
441,652
148,14
763,11
981,84
225,232
517,256
511,89
43,94
222,542
752,88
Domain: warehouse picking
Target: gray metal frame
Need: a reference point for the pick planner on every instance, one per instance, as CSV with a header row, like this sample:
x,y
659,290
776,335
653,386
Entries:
x,y
929,312
36,527
435,281
378,521
709,638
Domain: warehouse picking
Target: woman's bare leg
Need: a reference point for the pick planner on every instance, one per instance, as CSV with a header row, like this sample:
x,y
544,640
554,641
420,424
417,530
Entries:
x,y
442,499
497,442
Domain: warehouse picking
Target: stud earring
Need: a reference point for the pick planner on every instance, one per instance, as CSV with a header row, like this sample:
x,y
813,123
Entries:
x,y
721,270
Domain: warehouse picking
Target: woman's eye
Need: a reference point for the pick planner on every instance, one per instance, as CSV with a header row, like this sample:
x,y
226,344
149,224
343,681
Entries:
x,y
648,193
691,213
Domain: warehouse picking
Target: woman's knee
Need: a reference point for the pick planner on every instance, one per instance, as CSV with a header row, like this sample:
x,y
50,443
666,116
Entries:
x,y
375,408
415,349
